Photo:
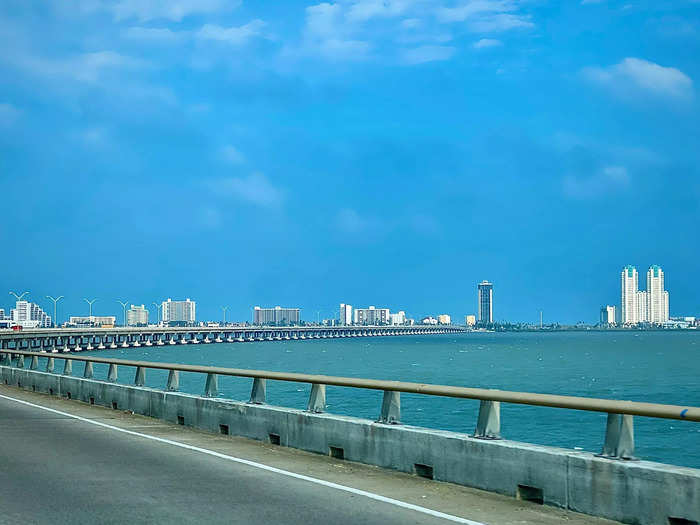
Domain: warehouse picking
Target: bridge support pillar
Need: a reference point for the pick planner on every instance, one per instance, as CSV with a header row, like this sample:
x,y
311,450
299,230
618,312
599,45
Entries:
x,y
6,359
112,373
488,426
317,399
173,381
50,365
35,363
140,377
20,361
89,373
68,367
258,394
211,388
391,408
619,437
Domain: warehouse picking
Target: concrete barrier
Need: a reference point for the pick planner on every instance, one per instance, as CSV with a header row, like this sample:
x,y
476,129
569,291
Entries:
x,y
638,492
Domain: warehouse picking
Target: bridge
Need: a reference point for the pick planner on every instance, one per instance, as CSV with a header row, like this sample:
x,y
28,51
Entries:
x,y
84,339
307,488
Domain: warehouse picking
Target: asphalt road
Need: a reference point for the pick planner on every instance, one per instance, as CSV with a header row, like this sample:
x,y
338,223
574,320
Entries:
x,y
94,465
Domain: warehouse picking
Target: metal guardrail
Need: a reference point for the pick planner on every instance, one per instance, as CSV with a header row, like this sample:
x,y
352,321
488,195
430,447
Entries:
x,y
619,438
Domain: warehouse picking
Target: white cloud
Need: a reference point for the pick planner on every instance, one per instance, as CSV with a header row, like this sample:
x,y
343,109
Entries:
x,y
609,179
641,76
362,10
485,43
255,189
232,35
423,54
174,10
8,114
154,34
231,155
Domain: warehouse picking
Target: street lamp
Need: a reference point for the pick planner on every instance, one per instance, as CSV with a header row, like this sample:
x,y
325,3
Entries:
x,y
124,308
224,308
90,303
19,297
55,301
157,310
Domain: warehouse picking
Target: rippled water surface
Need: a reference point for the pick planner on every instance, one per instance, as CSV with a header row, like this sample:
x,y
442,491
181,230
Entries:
x,y
659,367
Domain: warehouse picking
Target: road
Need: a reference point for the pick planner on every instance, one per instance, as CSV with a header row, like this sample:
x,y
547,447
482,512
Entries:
x,y
67,462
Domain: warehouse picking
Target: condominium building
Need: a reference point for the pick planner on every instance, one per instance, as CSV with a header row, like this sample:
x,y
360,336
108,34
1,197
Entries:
x,y
277,316
485,289
629,281
642,307
398,319
345,314
607,315
180,312
29,315
371,316
137,316
444,319
470,320
657,297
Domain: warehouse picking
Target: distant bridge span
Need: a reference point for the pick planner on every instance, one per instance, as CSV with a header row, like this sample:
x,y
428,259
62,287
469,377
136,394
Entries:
x,y
85,339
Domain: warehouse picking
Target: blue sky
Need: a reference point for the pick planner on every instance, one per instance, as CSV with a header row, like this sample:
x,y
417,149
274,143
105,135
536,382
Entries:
x,y
392,153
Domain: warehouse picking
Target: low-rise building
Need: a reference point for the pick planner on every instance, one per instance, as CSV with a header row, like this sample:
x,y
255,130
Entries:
x,y
444,319
429,320
93,321
398,319
470,320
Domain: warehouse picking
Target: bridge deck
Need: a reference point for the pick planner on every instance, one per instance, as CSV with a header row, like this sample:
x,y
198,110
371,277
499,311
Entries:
x,y
78,465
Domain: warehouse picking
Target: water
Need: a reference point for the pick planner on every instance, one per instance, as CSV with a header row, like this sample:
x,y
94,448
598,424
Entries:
x,y
660,367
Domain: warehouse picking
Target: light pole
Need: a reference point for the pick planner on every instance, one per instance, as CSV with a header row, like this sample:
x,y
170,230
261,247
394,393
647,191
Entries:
x,y
55,302
124,308
157,311
224,308
19,297
90,303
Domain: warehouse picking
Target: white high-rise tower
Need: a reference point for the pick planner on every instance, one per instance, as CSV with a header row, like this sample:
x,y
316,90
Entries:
x,y
657,297
630,286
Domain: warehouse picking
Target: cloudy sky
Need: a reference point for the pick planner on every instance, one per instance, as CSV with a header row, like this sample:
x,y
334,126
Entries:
x,y
378,152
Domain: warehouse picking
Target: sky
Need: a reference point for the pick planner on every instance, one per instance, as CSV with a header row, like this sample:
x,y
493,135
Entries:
x,y
371,152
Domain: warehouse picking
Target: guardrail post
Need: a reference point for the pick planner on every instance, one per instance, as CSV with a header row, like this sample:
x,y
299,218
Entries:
x,y
619,437
173,381
112,373
20,361
88,370
488,426
140,377
50,364
68,367
257,394
211,389
391,408
317,399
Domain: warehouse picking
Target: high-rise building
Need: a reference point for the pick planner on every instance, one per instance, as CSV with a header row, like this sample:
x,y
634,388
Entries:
x,y
629,282
345,314
137,316
444,319
642,307
607,315
667,315
485,302
30,315
656,295
276,316
181,312
371,316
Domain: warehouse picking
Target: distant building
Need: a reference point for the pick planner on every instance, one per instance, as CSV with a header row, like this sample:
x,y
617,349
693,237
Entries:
x,y
398,318
485,302
657,296
470,320
137,316
29,315
104,321
178,312
371,316
444,319
607,315
429,320
276,316
345,314
629,283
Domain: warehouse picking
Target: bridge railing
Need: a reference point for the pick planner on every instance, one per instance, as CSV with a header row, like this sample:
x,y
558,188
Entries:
x,y
619,435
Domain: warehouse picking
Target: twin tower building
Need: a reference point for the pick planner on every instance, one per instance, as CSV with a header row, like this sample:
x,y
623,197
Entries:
x,y
650,306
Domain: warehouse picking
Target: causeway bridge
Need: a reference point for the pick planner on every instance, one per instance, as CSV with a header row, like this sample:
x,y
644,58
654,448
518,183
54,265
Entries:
x,y
60,340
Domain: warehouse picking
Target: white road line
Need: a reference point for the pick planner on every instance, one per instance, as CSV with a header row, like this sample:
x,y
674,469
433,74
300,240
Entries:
x,y
371,495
